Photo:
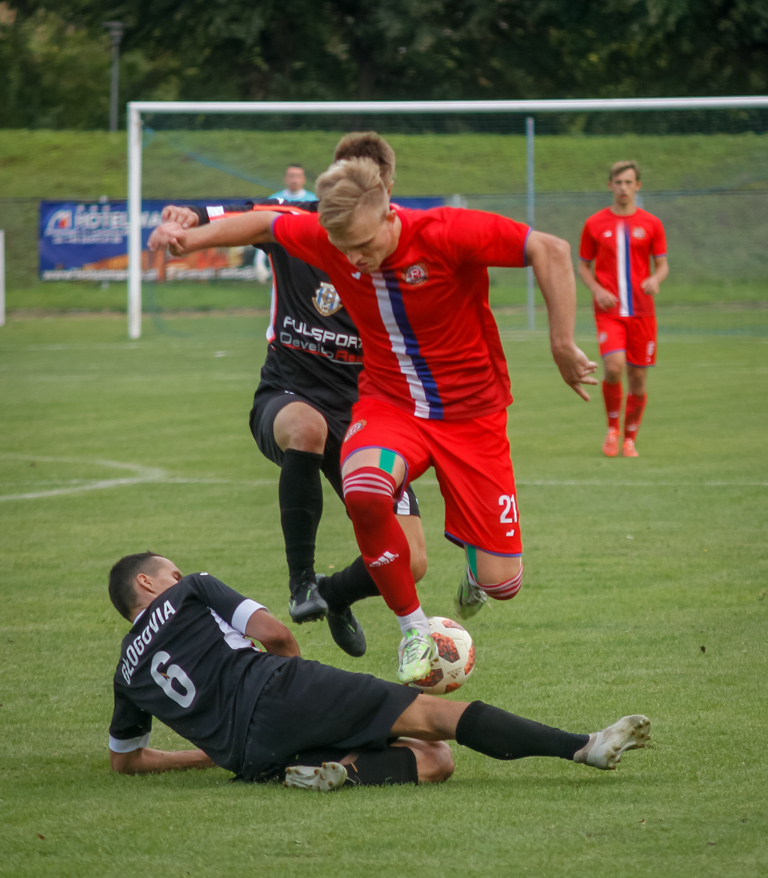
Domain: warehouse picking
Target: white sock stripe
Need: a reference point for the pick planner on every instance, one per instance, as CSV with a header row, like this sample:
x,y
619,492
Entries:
x,y
506,589
374,487
500,592
368,480
379,475
354,490
376,484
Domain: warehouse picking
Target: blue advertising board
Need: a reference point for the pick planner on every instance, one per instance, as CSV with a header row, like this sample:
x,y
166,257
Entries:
x,y
89,241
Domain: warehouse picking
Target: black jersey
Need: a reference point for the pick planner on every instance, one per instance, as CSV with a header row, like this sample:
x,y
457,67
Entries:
x,y
186,662
314,347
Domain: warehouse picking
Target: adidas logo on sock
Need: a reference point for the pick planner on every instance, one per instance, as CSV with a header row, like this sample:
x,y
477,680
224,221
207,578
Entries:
x,y
383,560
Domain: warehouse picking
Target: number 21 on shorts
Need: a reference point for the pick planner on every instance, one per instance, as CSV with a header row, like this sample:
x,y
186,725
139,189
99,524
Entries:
x,y
508,515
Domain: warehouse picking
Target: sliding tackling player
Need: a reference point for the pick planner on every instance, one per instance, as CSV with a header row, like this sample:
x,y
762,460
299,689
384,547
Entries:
x,y
188,660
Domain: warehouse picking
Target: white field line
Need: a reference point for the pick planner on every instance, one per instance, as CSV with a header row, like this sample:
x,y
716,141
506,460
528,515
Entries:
x,y
141,474
155,475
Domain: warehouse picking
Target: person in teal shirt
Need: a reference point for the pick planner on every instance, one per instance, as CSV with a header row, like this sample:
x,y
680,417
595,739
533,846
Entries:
x,y
294,186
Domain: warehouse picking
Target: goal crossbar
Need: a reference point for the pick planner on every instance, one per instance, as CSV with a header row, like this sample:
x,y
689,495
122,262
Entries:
x,y
136,108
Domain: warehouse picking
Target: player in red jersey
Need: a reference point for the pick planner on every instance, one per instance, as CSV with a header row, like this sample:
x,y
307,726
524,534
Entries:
x,y
434,387
302,409
616,246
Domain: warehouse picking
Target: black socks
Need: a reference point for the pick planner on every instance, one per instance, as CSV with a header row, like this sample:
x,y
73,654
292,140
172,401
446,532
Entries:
x,y
351,584
501,735
301,505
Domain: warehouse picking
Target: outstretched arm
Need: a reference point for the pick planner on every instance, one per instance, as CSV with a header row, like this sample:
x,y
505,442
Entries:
x,y
146,760
550,258
254,227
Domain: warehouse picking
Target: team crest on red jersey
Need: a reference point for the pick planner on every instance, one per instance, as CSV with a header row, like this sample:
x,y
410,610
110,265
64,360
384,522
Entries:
x,y
638,233
415,274
355,428
326,299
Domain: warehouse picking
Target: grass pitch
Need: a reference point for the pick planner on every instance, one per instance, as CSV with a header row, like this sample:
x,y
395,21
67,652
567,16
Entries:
x,y
645,591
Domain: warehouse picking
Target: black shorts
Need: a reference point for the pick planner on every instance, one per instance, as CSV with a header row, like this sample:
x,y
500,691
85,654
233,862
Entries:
x,y
267,405
309,712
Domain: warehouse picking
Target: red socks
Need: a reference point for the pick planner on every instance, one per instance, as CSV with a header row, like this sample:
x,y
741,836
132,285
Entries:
x,y
613,394
369,496
633,414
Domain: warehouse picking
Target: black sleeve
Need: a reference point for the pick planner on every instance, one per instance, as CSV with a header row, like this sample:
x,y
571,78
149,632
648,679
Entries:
x,y
129,723
307,206
203,216
202,212
225,601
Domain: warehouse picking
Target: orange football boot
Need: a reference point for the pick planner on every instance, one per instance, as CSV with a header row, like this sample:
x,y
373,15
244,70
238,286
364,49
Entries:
x,y
628,449
611,444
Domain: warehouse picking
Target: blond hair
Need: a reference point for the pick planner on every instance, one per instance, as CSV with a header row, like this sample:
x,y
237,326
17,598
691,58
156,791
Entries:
x,y
368,144
347,187
619,168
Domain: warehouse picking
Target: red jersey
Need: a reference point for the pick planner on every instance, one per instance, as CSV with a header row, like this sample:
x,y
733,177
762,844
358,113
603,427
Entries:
x,y
621,247
430,344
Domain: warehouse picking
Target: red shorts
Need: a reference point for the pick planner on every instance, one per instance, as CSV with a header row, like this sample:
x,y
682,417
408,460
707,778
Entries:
x,y
634,335
472,465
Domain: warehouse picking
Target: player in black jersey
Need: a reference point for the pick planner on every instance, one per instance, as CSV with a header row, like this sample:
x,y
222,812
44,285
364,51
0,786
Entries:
x,y
189,662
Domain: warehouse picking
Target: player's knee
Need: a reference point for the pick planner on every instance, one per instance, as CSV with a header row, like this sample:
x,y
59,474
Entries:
x,y
367,510
434,762
301,428
368,496
507,588
310,437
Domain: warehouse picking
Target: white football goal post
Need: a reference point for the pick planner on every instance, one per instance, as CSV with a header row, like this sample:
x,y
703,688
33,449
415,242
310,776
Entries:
x,y
354,113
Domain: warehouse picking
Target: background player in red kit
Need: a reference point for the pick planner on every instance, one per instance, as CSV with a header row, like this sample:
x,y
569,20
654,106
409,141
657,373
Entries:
x,y
616,246
434,387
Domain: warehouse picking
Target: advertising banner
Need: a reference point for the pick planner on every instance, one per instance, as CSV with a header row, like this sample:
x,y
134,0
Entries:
x,y
89,241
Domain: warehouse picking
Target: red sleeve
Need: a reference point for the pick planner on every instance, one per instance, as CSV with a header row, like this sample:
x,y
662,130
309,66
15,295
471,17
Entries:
x,y
588,247
481,238
301,235
659,243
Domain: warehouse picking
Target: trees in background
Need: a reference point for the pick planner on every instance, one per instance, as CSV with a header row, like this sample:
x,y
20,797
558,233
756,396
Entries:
x,y
55,57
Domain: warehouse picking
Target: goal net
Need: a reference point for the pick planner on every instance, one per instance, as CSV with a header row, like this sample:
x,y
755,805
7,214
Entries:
x,y
704,166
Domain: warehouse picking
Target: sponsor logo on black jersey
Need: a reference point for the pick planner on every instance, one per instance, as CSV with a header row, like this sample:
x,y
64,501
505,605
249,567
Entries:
x,y
326,299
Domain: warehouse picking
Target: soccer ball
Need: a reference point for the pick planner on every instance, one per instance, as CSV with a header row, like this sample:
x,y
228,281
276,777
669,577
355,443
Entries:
x,y
455,659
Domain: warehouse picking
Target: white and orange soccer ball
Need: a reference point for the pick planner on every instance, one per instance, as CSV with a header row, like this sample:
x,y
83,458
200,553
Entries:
x,y
455,660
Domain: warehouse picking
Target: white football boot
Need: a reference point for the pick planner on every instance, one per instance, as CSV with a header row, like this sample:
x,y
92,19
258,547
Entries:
x,y
604,749
321,779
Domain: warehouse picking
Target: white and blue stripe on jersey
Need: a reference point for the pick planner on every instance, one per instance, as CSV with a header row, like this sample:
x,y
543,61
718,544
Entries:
x,y
624,271
405,346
